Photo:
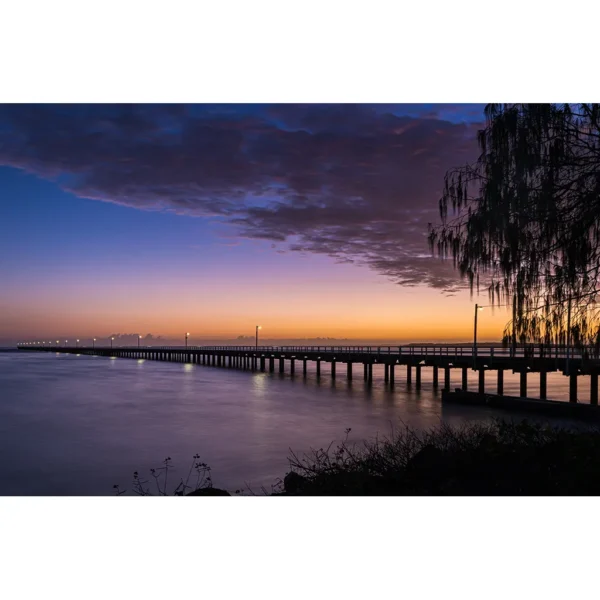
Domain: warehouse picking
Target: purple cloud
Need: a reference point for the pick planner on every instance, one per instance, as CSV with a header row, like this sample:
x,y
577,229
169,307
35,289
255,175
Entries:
x,y
357,183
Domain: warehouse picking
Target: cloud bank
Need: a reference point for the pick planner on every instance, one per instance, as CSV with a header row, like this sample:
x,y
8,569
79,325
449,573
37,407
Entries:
x,y
357,183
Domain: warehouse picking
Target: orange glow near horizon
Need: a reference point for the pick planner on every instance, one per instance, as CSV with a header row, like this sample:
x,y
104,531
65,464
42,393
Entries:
x,y
383,311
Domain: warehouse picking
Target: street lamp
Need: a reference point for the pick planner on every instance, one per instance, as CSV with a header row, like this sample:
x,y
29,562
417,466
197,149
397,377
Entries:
x,y
186,338
57,342
257,328
66,341
111,341
94,343
477,309
76,343
139,338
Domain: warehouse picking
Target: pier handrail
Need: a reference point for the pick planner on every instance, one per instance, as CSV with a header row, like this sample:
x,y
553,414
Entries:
x,y
490,350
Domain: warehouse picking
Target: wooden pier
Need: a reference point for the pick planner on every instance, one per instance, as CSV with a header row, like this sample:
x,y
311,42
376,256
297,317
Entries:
x,y
572,362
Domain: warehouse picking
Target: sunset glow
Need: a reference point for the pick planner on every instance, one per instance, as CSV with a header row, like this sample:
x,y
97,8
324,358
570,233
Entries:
x,y
308,246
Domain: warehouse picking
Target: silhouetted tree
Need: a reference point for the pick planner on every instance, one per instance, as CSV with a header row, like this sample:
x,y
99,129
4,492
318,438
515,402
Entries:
x,y
527,219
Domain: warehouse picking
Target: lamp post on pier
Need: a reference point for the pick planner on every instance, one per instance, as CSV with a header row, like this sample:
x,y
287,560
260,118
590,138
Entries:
x,y
66,342
477,309
111,341
139,338
187,335
94,343
257,328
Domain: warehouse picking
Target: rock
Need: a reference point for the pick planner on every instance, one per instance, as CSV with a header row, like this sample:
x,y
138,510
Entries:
x,y
209,491
293,482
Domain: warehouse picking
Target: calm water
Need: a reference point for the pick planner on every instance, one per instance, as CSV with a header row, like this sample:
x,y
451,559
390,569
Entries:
x,y
76,425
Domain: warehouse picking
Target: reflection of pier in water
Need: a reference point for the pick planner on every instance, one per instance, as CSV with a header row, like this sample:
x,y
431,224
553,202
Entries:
x,y
572,361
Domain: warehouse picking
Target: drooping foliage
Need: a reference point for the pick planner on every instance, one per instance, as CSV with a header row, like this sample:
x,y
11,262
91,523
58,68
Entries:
x,y
526,219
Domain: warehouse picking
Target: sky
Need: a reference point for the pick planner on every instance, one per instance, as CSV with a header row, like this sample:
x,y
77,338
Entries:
x,y
310,220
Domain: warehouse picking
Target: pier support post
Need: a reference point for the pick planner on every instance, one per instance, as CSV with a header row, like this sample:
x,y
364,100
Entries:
x,y
523,392
370,380
594,388
543,385
262,364
435,377
418,369
304,367
281,365
447,378
349,370
392,375
292,366
573,387
366,370
386,376
500,389
271,364
408,374
318,368
333,369
482,380
465,382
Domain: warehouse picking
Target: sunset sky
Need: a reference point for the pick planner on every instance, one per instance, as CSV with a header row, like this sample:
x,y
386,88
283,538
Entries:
x,y
310,220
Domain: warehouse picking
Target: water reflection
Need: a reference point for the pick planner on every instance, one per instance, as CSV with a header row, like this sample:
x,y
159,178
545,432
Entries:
x,y
78,425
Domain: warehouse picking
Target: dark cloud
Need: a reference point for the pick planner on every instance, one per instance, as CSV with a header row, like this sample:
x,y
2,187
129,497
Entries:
x,y
357,183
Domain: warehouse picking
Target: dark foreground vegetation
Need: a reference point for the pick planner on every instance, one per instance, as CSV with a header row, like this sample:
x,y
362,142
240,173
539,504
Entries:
x,y
496,458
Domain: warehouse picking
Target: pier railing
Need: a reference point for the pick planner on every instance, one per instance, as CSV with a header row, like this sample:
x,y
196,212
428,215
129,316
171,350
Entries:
x,y
447,350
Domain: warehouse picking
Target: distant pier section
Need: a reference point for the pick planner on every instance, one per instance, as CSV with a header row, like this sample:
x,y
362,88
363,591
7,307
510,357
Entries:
x,y
571,361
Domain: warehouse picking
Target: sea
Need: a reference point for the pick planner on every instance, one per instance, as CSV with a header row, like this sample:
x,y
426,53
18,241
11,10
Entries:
x,y
80,425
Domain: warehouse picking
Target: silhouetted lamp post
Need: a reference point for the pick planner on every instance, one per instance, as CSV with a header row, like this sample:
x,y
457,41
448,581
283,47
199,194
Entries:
x,y
186,338
257,328
139,338
94,343
477,309
76,343
111,341
66,342
57,342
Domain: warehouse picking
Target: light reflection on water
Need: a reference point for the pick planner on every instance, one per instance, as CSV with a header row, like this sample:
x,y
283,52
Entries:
x,y
79,424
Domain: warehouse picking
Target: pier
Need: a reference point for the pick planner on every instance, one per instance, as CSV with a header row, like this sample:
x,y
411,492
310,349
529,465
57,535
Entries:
x,y
571,361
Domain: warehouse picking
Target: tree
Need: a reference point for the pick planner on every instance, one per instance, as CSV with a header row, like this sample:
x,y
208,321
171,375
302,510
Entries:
x,y
527,219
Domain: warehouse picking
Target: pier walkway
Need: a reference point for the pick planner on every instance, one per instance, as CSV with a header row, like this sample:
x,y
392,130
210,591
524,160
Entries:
x,y
572,362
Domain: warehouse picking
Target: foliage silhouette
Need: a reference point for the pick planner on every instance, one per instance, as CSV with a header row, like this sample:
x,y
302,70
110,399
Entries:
x,y
527,220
